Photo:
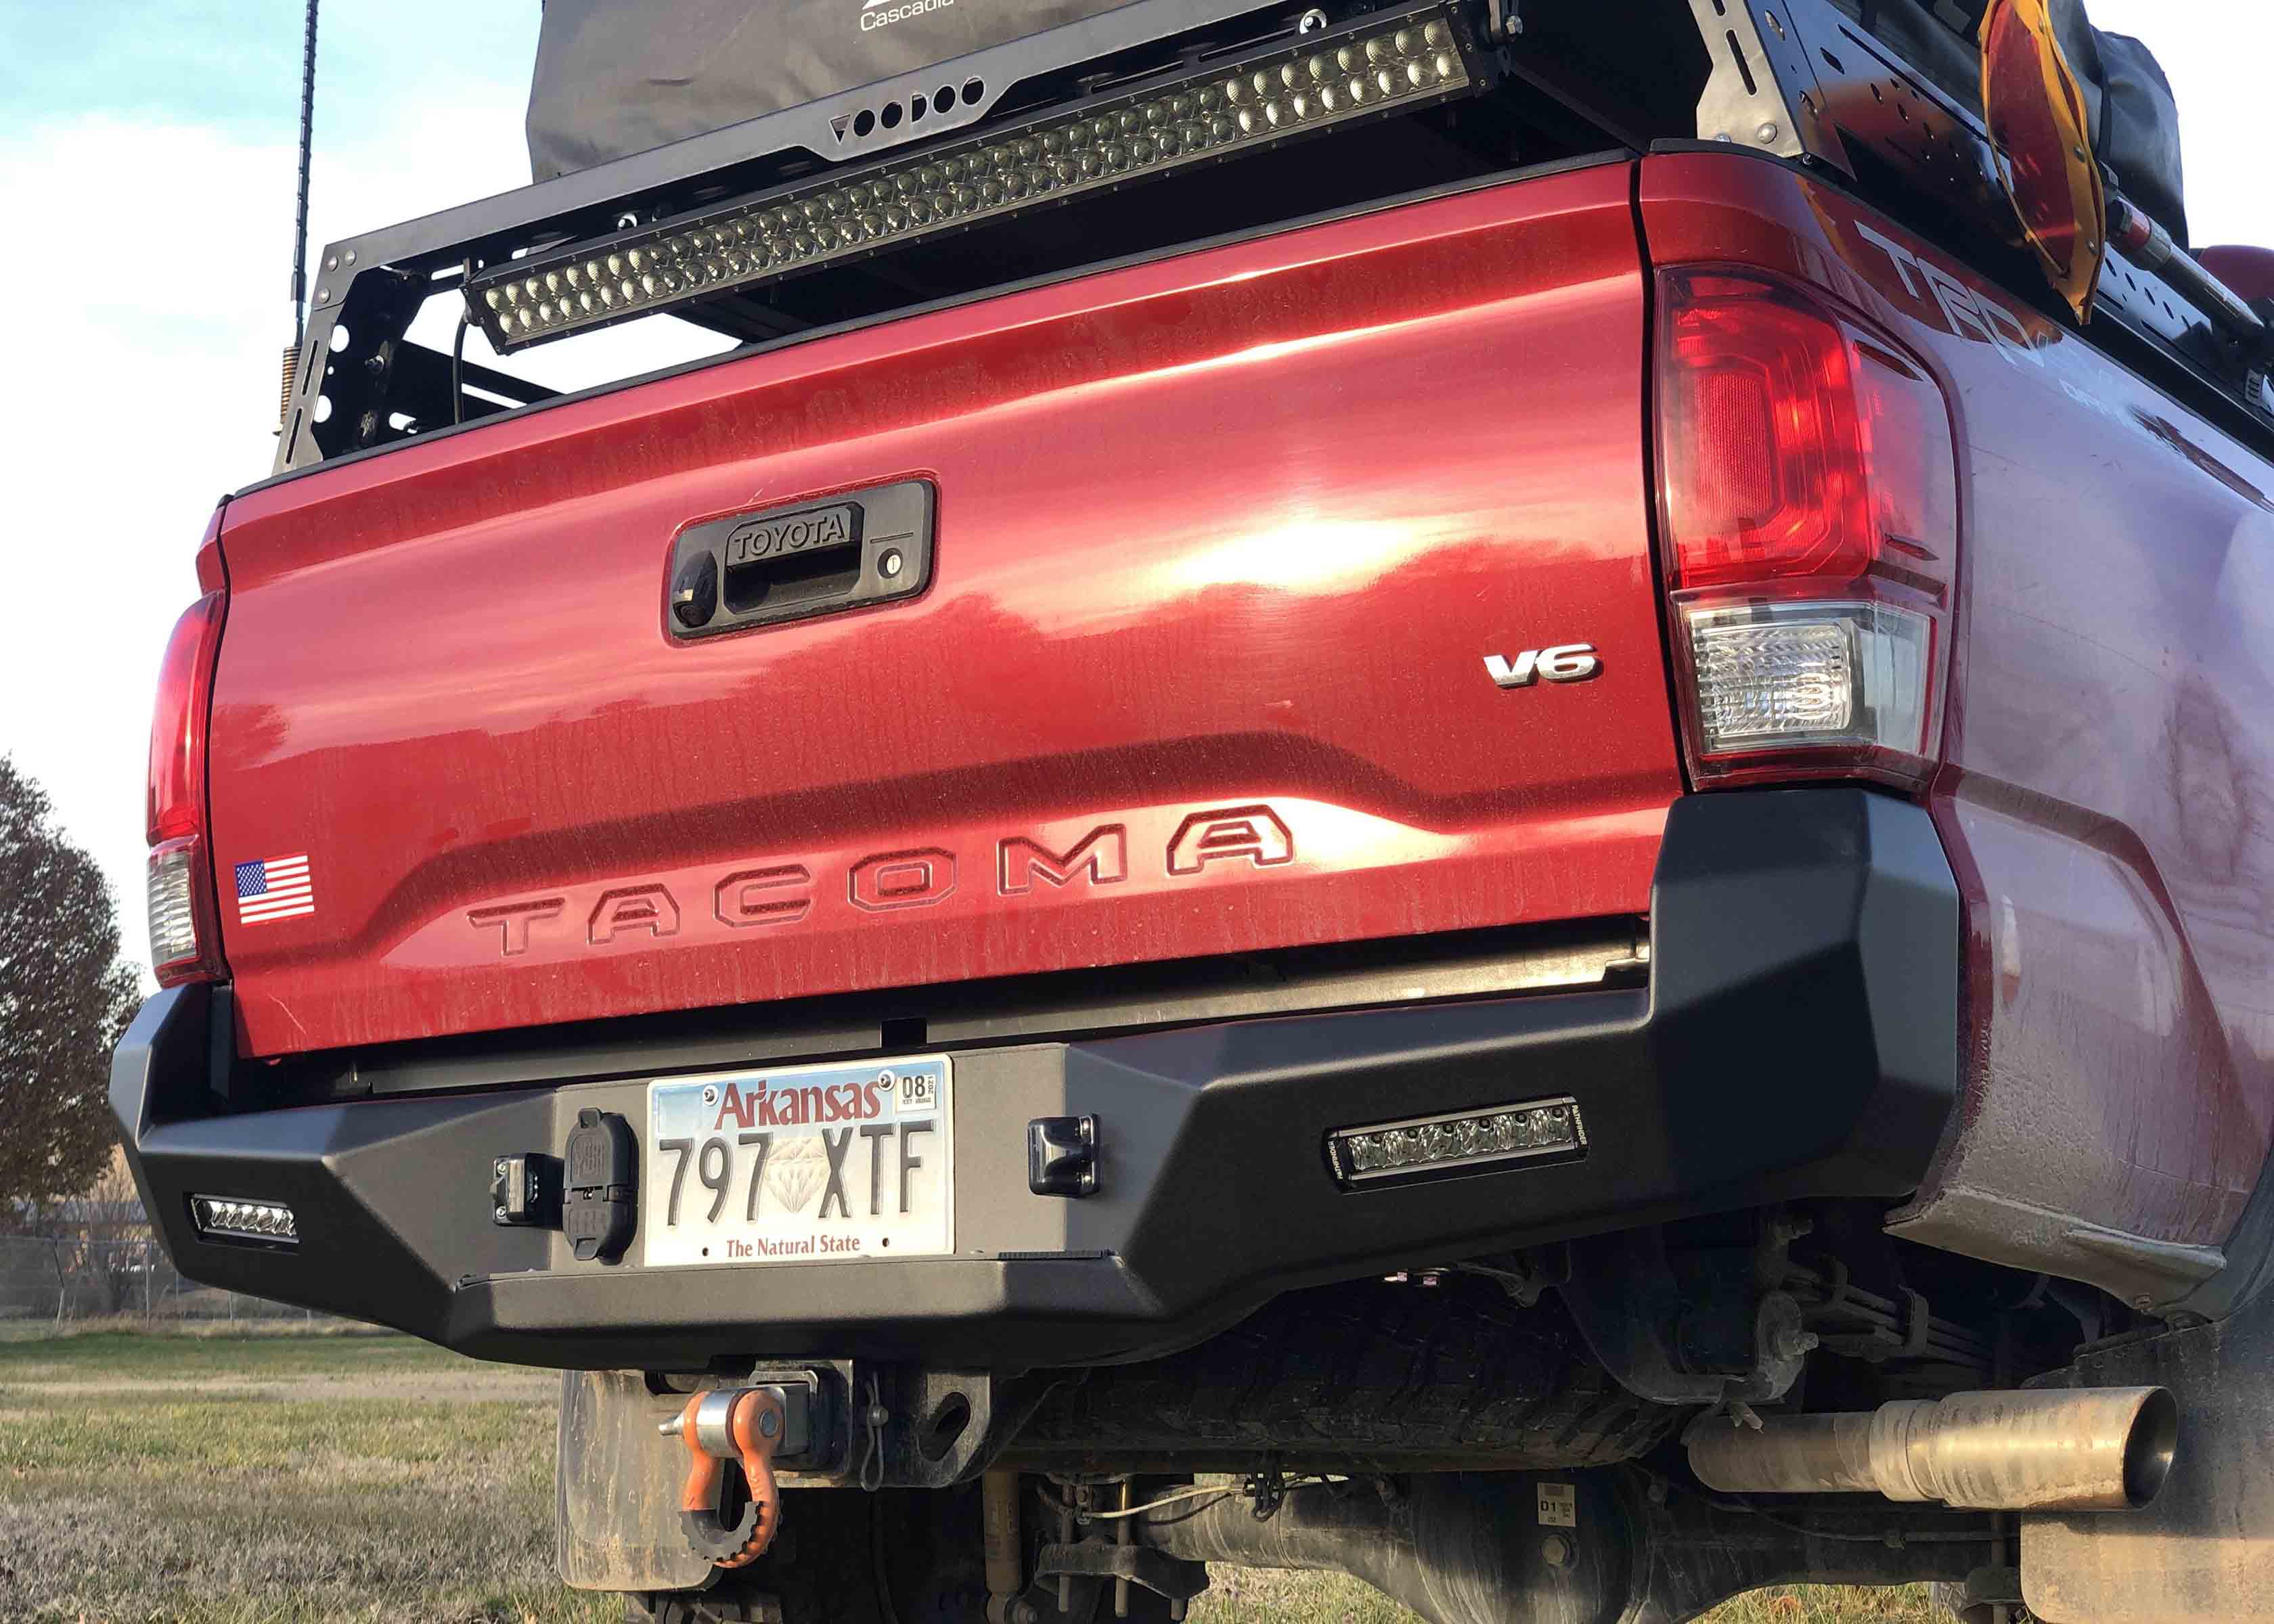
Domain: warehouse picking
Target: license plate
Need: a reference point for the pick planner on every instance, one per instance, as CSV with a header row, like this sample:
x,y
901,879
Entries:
x,y
807,1164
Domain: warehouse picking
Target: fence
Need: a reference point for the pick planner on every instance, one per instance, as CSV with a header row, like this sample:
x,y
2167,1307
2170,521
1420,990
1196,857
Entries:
x,y
53,1281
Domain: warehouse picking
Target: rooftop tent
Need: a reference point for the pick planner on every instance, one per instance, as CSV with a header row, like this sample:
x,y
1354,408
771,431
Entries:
x,y
617,77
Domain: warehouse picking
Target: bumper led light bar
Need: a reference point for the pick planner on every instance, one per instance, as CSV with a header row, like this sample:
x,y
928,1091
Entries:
x,y
1461,1142
1390,62
232,1219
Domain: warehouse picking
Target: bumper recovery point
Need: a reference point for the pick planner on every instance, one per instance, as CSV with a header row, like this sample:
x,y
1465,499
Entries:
x,y
1798,1036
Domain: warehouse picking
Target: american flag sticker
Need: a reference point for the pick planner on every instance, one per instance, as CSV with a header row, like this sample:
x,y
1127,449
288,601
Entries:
x,y
275,889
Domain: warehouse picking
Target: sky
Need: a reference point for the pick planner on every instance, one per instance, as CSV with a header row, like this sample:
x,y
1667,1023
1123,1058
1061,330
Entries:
x,y
147,176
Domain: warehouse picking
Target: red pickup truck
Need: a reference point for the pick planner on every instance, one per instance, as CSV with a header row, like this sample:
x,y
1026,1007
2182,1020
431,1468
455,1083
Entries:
x,y
1539,827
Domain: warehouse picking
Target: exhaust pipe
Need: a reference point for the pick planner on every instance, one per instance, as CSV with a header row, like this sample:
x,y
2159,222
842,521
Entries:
x,y
2064,1449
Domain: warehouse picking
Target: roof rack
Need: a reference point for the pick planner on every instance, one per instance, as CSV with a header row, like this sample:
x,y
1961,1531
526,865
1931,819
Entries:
x,y
719,228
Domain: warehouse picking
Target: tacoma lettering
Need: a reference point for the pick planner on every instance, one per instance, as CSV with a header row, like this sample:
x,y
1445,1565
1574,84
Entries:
x,y
787,892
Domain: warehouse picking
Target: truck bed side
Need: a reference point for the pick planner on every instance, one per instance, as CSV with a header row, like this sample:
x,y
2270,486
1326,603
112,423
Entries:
x,y
2109,744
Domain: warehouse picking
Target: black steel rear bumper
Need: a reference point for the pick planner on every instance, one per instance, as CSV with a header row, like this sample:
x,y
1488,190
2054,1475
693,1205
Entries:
x,y
1798,1036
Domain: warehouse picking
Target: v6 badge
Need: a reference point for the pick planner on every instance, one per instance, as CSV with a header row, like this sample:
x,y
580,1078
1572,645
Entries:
x,y
1566,662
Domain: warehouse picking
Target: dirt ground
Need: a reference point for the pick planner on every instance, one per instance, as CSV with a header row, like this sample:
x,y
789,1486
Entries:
x,y
230,1479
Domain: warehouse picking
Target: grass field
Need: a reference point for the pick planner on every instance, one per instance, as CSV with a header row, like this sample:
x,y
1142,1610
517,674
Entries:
x,y
226,1479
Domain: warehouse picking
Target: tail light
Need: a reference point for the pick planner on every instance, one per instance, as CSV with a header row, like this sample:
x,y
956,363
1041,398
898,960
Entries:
x,y
185,934
1811,492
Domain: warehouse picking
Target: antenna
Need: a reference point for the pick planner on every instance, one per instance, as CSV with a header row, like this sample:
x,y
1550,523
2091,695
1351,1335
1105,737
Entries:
x,y
307,144
300,220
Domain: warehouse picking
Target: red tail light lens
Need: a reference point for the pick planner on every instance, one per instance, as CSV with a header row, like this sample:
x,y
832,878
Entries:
x,y
184,940
1810,523
177,727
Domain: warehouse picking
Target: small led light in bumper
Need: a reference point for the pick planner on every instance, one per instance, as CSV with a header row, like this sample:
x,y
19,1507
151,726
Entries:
x,y
1384,63
1773,674
229,1218
1460,1142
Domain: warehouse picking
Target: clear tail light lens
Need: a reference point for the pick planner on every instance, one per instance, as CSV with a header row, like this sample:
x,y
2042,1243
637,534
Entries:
x,y
1781,674
184,936
174,933
1811,518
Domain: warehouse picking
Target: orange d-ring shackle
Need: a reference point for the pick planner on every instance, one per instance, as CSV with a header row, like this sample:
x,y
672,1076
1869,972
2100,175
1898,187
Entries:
x,y
717,1427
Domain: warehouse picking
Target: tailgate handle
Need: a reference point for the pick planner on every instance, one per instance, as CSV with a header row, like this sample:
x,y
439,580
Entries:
x,y
812,556
793,562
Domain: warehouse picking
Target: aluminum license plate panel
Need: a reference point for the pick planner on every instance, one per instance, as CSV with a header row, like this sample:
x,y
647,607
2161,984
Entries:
x,y
802,1164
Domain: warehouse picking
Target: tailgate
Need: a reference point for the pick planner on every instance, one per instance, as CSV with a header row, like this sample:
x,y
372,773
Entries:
x,y
1221,542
